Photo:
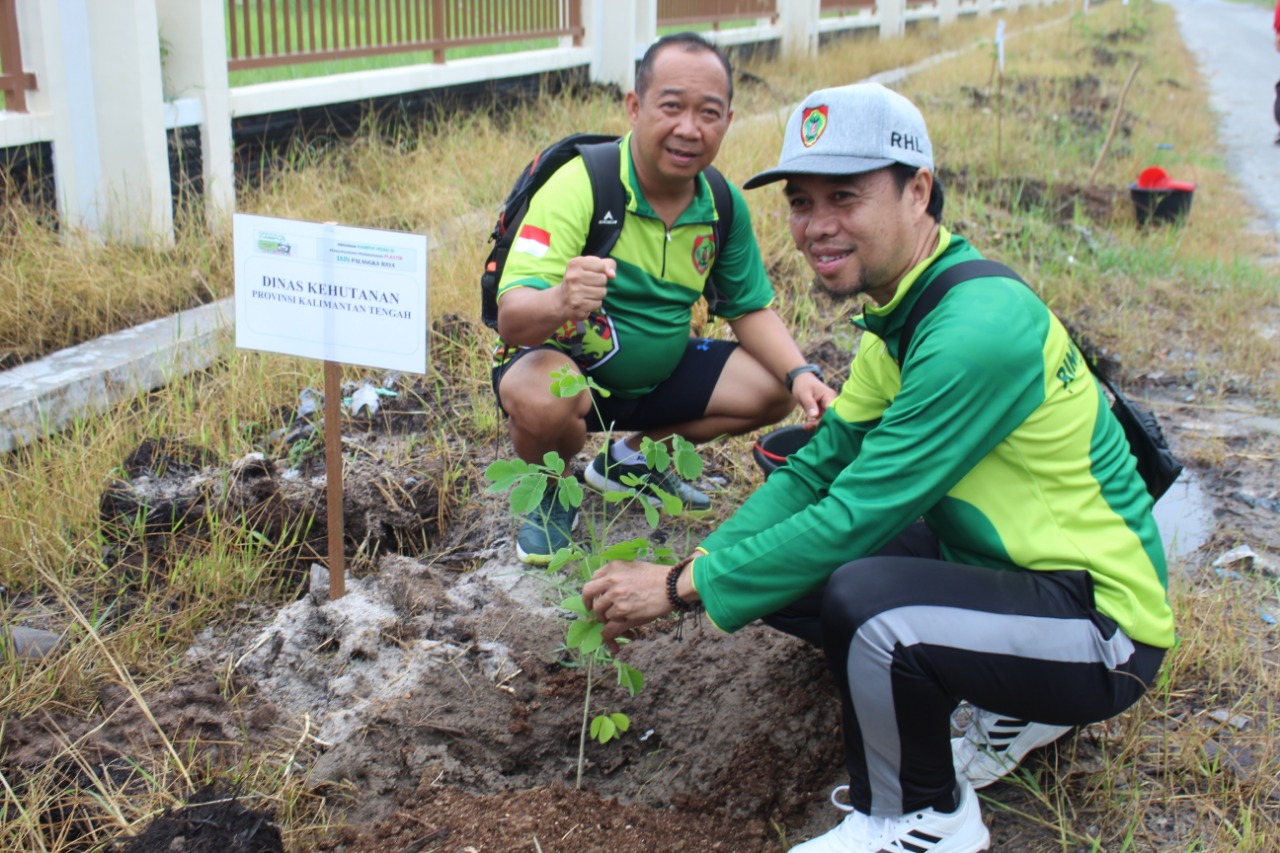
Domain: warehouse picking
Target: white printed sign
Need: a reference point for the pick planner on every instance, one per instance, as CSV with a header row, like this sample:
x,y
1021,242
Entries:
x,y
331,292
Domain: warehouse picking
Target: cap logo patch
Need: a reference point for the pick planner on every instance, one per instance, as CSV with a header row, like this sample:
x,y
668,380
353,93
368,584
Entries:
x,y
813,123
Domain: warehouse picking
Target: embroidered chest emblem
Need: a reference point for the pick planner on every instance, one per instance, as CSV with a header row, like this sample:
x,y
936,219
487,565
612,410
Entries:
x,y
704,253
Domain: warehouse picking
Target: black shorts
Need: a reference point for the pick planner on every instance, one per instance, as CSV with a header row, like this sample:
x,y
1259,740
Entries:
x,y
682,396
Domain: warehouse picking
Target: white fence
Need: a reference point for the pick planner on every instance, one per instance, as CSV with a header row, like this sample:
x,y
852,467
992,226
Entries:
x,y
106,95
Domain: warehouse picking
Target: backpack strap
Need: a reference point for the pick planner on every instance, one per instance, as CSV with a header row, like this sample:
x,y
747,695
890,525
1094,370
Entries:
x,y
609,205
723,199
609,198
938,287
723,226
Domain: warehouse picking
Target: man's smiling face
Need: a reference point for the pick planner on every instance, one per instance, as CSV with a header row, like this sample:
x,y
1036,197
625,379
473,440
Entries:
x,y
859,233
680,119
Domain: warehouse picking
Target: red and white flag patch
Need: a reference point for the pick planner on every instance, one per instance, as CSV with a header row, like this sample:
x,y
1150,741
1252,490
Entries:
x,y
532,241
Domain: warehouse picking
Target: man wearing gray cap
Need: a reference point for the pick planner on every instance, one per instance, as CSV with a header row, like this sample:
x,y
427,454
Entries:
x,y
1034,587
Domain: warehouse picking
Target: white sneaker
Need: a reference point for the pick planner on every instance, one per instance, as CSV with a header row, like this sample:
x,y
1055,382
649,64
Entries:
x,y
926,831
992,745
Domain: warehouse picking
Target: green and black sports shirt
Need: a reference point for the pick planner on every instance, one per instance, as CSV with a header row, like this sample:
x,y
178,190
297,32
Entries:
x,y
640,335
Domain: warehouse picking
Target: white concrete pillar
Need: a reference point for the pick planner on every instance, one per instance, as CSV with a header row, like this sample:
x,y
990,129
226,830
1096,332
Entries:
x,y
646,25
798,21
52,32
196,67
893,18
948,12
611,32
112,51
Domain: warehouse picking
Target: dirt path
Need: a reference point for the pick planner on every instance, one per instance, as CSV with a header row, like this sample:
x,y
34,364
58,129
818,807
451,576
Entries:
x,y
1235,48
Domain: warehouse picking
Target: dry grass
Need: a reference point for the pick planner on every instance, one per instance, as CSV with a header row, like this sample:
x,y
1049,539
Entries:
x,y
1156,297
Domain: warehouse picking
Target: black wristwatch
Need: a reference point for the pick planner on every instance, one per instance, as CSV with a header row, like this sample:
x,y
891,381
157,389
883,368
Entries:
x,y
804,368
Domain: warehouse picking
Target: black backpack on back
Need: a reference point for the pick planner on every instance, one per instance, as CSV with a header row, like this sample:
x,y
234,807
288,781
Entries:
x,y
603,161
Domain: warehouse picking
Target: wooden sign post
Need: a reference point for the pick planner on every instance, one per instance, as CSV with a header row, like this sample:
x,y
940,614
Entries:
x,y
337,294
333,478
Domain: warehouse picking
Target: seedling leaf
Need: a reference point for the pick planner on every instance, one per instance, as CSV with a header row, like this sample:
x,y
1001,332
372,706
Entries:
x,y
688,463
553,462
630,549
570,492
575,603
584,635
604,729
656,453
527,494
630,678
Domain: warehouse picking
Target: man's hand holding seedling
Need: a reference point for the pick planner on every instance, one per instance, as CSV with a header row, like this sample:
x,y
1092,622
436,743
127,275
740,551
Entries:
x,y
625,594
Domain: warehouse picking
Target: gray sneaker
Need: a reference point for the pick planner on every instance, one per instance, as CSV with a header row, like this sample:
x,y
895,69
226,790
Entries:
x,y
605,475
545,530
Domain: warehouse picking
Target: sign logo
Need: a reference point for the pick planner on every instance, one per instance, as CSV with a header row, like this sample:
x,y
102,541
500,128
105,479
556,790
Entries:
x,y
276,244
812,124
704,253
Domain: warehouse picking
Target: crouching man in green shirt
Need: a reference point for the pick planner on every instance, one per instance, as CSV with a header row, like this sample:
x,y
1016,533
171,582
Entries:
x,y
624,320
1034,588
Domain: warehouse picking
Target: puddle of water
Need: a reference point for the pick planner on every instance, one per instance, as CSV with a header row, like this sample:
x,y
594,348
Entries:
x,y
1184,517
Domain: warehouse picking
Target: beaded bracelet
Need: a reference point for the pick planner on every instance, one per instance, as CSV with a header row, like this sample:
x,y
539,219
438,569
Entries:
x,y
674,597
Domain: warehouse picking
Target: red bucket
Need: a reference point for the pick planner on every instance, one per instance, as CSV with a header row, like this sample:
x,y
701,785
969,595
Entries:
x,y
1159,199
773,448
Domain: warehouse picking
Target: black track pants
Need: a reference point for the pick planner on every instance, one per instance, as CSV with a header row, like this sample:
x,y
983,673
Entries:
x,y
907,636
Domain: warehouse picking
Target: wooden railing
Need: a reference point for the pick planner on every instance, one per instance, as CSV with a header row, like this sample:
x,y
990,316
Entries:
x,y
674,13
14,81
284,32
847,6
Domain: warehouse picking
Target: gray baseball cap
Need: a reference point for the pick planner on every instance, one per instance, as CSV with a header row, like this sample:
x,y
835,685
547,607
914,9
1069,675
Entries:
x,y
848,130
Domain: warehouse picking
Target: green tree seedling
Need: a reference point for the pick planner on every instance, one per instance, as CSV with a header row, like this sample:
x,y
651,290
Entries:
x,y
525,483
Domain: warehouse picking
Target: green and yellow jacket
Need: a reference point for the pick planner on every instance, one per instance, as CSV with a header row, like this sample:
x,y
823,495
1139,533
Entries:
x,y
642,332
994,431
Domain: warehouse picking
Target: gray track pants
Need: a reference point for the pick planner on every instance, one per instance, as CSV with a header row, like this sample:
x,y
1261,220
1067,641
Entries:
x,y
907,636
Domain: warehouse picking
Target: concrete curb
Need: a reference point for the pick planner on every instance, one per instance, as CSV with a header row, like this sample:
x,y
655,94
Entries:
x,y
44,397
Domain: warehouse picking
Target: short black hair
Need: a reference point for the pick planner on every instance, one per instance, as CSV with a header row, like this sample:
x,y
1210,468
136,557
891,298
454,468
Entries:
x,y
902,173
691,43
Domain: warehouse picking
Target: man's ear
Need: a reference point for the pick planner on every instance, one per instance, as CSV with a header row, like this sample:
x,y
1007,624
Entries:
x,y
632,103
920,187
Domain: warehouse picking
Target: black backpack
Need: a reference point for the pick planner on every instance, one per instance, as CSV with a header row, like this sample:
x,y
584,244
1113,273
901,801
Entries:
x,y
603,161
1157,465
